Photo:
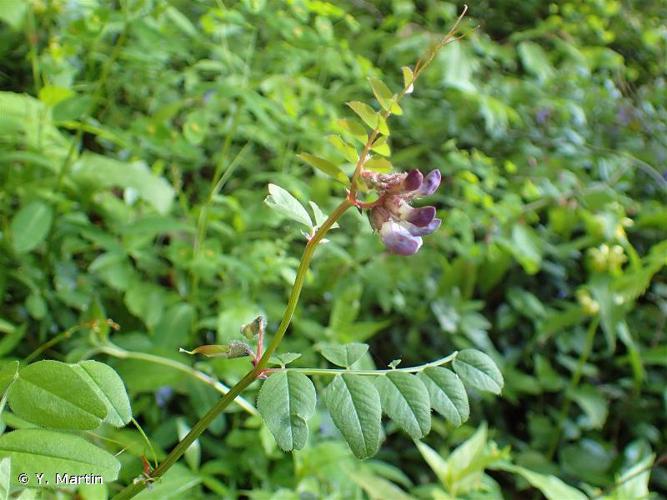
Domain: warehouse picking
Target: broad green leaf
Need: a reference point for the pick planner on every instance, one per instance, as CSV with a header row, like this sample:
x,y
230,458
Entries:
x,y
448,395
281,201
42,451
354,404
30,226
379,164
594,404
478,370
325,166
8,373
54,395
535,60
109,388
286,401
405,400
343,355
13,13
526,248
634,481
5,477
102,172
381,146
551,487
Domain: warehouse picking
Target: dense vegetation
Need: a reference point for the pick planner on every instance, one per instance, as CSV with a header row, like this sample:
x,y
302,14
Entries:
x,y
138,140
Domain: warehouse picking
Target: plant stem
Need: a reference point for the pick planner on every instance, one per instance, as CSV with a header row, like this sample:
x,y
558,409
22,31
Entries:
x,y
119,353
252,375
574,382
341,371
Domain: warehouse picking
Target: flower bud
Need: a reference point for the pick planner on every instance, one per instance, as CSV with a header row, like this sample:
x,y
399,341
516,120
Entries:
x,y
421,217
431,183
413,180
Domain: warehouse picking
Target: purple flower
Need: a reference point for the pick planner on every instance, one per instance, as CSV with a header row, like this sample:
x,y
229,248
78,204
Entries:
x,y
398,239
400,225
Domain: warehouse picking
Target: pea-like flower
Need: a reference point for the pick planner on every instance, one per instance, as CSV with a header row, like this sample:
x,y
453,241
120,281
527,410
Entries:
x,y
400,225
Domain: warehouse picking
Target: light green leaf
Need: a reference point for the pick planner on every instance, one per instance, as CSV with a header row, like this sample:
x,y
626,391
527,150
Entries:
x,y
286,401
535,60
526,248
377,487
408,79
109,388
550,486
354,404
370,117
593,403
437,464
284,359
348,151
634,481
281,201
381,146
30,226
325,166
5,475
378,164
405,400
102,172
478,370
385,96
448,395
354,128
54,395
42,451
343,355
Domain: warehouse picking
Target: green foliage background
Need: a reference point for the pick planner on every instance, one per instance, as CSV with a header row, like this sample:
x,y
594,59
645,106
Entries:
x,y
137,139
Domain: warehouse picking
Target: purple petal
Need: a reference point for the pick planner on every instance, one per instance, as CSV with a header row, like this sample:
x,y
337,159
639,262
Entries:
x,y
413,180
421,216
423,231
431,183
398,240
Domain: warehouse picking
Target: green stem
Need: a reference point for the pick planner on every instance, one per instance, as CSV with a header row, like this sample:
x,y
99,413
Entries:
x,y
574,382
50,343
252,375
342,371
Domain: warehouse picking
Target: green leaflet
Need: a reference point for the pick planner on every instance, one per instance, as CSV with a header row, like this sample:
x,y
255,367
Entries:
x,y
448,395
354,404
42,451
478,370
405,399
110,389
343,355
550,486
54,395
5,474
286,401
30,226
282,201
325,166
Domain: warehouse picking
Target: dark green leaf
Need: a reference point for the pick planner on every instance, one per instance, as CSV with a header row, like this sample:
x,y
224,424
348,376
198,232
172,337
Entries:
x,y
448,395
405,400
478,370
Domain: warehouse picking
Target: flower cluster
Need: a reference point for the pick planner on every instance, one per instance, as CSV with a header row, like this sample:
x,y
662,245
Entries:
x,y
400,225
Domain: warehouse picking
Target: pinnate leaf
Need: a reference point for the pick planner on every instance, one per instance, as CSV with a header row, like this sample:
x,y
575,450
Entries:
x,y
354,404
448,395
478,370
286,401
405,400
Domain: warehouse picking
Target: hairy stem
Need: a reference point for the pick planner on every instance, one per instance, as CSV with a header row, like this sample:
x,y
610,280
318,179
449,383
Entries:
x,y
252,375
